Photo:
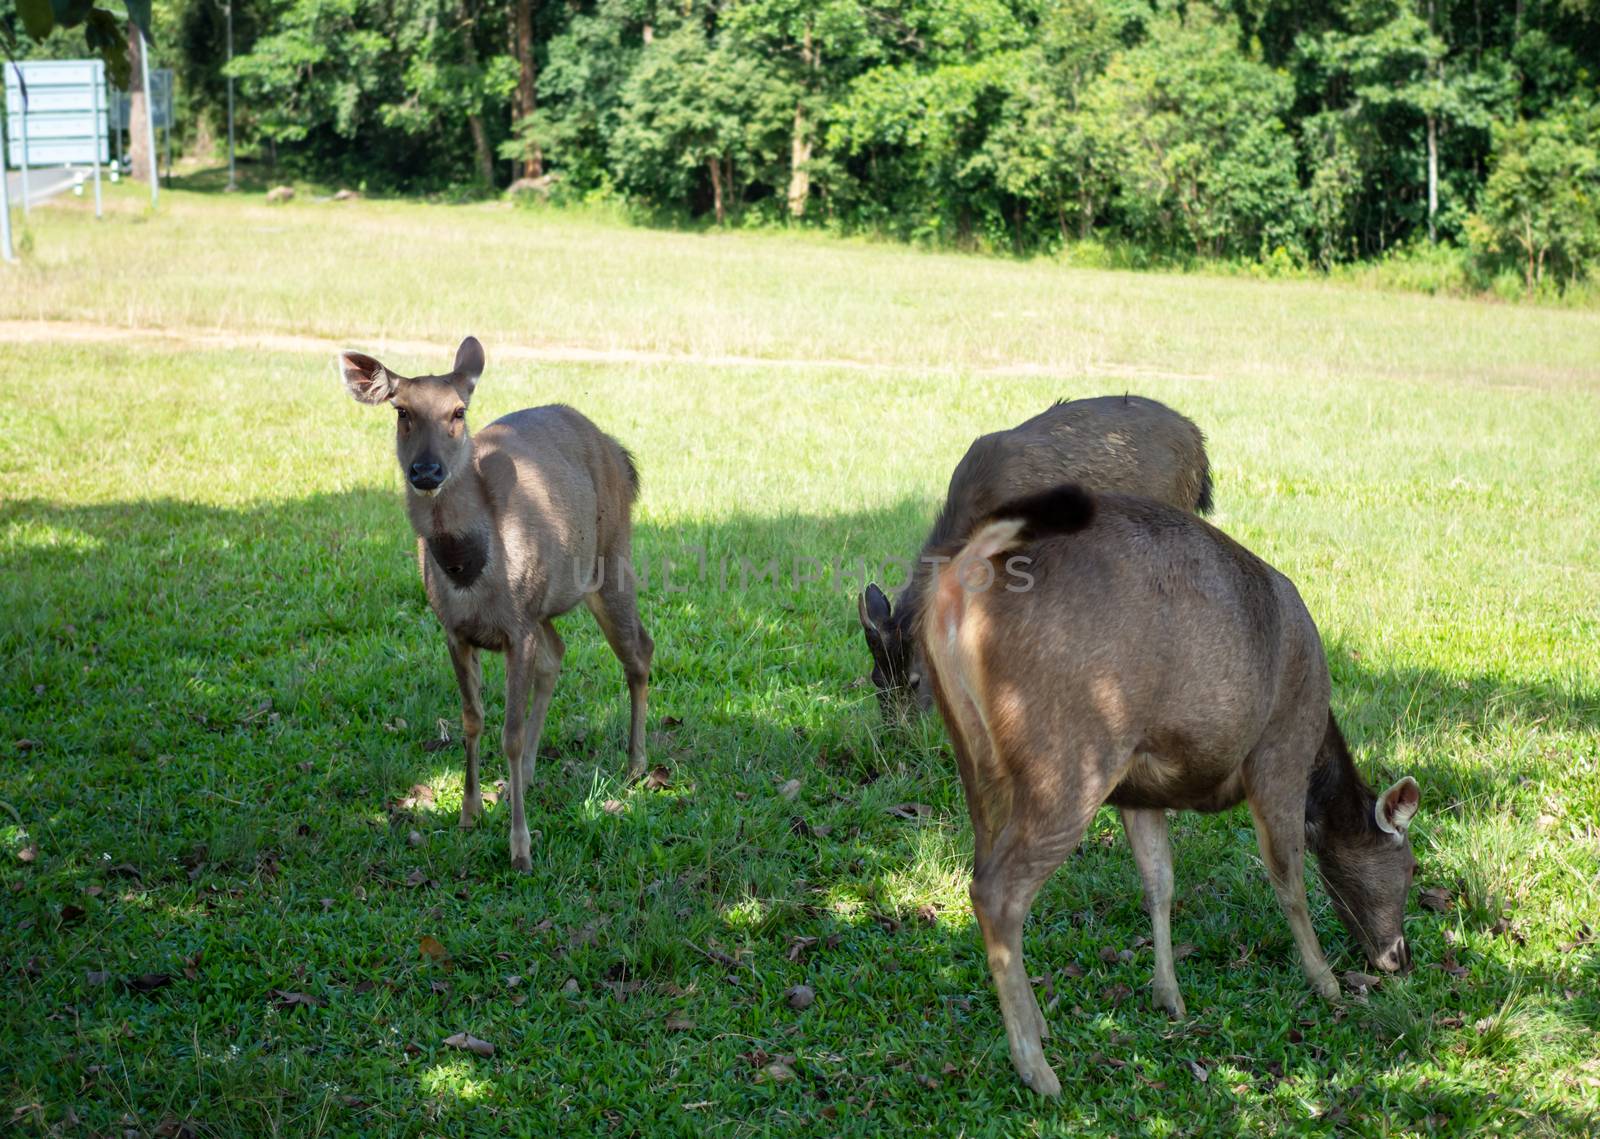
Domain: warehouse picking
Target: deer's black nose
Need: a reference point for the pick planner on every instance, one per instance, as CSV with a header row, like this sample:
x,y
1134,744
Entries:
x,y
426,475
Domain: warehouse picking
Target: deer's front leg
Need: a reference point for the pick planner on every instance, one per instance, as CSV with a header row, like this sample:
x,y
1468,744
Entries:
x,y
522,664
1147,835
469,677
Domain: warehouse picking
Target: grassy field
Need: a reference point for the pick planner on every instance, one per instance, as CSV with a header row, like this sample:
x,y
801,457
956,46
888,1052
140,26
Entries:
x,y
233,895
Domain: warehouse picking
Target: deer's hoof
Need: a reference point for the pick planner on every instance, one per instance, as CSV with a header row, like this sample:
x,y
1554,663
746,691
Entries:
x,y
636,767
521,863
470,810
1327,987
1171,1003
1042,1080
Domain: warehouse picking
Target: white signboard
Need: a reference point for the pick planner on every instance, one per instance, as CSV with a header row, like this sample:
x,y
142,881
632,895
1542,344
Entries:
x,y
65,97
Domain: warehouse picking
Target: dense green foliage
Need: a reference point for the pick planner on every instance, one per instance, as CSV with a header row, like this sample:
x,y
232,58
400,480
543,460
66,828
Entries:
x,y
1305,133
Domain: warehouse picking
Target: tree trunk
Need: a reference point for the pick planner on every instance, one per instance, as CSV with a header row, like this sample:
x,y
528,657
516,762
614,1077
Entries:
x,y
139,156
1433,149
480,138
1433,176
525,101
800,141
716,187
480,145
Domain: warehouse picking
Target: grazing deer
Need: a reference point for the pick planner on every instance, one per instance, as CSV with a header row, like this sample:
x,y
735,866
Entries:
x,y
510,524
1091,649
1112,443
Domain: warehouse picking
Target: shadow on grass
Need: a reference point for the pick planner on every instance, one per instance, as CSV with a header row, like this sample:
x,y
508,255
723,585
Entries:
x,y
242,698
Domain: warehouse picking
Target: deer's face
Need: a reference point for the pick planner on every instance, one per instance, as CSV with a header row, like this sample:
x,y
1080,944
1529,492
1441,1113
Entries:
x,y
896,675
1368,876
431,437
430,431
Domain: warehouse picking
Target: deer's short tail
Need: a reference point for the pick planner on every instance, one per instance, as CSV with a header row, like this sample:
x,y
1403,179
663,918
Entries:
x,y
1060,510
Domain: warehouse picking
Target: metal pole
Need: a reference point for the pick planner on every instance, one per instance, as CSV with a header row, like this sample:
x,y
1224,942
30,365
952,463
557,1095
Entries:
x,y
23,88
99,130
149,120
232,182
5,193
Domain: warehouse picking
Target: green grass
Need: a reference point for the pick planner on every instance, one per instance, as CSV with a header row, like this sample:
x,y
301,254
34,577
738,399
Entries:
x,y
215,642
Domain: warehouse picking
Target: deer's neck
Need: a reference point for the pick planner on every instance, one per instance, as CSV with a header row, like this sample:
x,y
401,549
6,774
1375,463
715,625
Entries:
x,y
460,508
1338,801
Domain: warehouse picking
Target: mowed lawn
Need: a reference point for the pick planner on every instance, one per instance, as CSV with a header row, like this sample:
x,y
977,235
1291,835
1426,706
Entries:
x,y
233,896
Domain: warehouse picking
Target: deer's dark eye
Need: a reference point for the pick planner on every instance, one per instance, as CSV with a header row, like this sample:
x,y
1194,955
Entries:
x,y
403,413
461,413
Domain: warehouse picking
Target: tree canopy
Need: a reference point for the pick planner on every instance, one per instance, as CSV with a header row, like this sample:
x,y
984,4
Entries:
x,y
1321,131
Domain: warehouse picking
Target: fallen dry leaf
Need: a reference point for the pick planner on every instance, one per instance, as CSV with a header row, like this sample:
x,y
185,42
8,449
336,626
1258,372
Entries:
x,y
415,839
434,950
800,997
657,779
1434,898
72,915
677,1022
777,1071
1361,982
470,1043
1182,950
284,999
910,810
149,982
1200,1071
789,790
29,853
612,806
96,977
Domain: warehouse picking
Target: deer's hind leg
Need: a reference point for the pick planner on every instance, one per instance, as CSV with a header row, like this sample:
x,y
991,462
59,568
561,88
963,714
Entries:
x,y
616,610
469,678
533,663
1052,798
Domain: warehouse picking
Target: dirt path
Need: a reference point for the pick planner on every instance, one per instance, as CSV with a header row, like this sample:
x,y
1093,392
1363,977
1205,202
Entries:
x,y
59,331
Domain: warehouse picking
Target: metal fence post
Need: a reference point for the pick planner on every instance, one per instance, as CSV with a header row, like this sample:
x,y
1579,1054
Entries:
x,y
99,133
22,89
5,192
149,121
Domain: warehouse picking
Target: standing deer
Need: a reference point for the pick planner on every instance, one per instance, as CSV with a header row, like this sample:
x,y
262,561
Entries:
x,y
1115,443
1136,655
503,519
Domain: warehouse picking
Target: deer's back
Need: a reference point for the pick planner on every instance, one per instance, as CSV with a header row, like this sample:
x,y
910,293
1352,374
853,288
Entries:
x,y
1120,444
552,469
1158,631
559,492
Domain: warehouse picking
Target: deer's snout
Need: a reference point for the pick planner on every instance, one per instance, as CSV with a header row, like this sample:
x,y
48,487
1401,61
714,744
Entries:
x,y
426,475
1396,958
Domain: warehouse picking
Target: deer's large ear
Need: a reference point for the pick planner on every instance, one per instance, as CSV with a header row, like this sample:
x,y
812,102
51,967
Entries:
x,y
1397,806
367,380
874,609
468,367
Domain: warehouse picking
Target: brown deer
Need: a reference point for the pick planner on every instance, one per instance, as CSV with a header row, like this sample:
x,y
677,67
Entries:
x,y
510,526
1116,443
1087,649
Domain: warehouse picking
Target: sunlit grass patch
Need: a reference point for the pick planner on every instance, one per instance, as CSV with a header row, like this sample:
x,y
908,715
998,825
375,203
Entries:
x,y
217,649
